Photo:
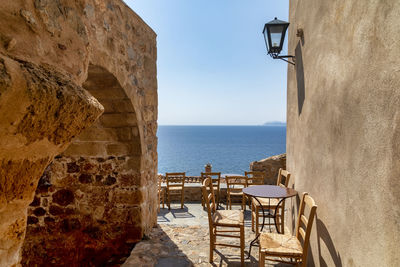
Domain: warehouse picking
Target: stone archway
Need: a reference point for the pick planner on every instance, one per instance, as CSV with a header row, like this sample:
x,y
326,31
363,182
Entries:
x,y
87,205
45,52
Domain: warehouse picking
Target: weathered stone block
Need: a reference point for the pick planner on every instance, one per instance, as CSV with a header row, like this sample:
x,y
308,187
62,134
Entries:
x,y
86,149
271,166
98,134
114,120
85,178
39,211
117,106
110,180
72,167
118,149
121,196
32,220
129,180
55,210
63,197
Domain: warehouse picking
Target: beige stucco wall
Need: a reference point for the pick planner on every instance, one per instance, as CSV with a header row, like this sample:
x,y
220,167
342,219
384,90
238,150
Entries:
x,y
343,127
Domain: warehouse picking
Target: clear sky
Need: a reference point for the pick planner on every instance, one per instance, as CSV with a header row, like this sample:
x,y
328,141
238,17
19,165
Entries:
x,y
212,63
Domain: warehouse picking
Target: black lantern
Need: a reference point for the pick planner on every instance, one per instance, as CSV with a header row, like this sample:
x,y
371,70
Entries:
x,y
274,36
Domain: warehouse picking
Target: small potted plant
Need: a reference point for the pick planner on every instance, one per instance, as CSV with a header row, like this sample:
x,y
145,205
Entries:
x,y
208,167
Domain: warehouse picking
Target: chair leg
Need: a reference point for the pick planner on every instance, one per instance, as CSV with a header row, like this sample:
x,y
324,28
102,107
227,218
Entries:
x,y
242,245
182,198
252,217
283,221
159,201
244,202
168,200
212,242
163,198
257,219
261,259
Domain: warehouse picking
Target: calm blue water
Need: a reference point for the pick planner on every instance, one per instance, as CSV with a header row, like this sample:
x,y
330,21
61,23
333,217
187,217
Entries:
x,y
229,149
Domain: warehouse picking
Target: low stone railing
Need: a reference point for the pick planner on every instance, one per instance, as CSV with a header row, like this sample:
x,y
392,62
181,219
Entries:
x,y
188,179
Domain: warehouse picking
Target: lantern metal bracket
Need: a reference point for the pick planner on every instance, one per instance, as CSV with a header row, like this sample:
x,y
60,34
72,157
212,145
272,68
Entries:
x,y
275,56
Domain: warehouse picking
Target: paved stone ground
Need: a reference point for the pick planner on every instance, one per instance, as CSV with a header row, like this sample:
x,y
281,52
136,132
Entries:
x,y
181,238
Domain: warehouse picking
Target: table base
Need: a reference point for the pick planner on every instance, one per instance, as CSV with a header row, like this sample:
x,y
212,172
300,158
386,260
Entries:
x,y
256,241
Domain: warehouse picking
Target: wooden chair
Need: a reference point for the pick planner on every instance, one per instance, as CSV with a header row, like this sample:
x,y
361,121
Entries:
x,y
234,188
175,186
270,204
254,178
160,193
231,220
274,245
216,180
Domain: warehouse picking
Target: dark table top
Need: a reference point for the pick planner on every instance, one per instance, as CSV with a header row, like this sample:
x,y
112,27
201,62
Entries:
x,y
269,191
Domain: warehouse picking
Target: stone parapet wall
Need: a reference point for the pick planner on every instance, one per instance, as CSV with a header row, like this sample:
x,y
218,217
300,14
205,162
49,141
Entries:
x,y
271,166
193,194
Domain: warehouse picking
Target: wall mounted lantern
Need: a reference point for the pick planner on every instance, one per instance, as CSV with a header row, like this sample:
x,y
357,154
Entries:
x,y
274,36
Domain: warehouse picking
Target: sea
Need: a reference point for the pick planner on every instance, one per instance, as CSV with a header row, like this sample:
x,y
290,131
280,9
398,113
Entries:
x,y
229,149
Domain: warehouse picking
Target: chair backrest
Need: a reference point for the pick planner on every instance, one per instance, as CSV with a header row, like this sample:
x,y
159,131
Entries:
x,y
255,177
207,189
283,174
175,179
304,224
214,176
235,183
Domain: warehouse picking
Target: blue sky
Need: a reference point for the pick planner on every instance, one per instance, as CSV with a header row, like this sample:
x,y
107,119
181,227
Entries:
x,y
212,63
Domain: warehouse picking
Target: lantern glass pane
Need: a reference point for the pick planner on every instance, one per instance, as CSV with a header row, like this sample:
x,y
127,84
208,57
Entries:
x,y
276,34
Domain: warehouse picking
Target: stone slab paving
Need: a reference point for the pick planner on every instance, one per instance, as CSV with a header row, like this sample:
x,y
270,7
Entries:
x,y
181,238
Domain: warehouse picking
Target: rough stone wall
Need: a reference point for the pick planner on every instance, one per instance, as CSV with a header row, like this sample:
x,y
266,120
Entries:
x,y
343,127
48,50
271,166
86,211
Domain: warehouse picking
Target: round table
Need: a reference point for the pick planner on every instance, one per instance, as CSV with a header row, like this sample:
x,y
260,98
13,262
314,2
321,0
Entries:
x,y
268,191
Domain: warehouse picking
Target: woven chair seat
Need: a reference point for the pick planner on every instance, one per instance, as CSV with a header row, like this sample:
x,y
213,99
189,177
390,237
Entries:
x,y
283,245
236,193
265,202
175,189
228,218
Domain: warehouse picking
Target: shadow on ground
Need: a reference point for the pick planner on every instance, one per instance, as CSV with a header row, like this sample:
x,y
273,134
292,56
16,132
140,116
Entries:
x,y
181,238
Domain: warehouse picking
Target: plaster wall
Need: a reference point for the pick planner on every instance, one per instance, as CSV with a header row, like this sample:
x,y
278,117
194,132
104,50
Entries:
x,y
343,127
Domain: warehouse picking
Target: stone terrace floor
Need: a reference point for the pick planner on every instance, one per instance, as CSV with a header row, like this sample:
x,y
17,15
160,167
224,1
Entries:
x,y
181,238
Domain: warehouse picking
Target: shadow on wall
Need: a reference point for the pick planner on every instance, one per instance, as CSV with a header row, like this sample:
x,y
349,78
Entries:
x,y
301,92
324,236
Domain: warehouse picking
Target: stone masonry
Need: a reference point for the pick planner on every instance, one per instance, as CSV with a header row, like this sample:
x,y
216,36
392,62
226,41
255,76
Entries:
x,y
89,205
62,64
271,166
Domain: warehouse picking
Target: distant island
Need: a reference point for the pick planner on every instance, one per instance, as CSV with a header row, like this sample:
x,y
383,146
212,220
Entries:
x,y
274,123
